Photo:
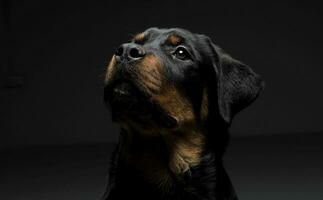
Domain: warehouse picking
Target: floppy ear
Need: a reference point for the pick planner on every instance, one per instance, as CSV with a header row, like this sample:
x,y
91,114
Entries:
x,y
237,84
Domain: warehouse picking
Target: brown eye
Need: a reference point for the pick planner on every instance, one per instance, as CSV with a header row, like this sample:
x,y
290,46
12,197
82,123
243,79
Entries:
x,y
181,53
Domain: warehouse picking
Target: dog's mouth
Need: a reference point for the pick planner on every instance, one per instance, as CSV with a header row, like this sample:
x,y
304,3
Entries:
x,y
126,90
130,100
125,95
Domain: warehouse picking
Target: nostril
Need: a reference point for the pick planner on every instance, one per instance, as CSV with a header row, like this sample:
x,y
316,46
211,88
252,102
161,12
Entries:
x,y
119,51
136,53
129,52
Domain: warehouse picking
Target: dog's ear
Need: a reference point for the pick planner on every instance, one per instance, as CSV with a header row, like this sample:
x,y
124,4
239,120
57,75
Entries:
x,y
237,84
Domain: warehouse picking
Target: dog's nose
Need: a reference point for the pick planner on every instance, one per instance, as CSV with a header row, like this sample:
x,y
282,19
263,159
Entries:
x,y
130,52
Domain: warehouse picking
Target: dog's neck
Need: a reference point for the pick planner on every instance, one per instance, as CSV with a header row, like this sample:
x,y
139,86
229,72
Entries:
x,y
162,158
181,165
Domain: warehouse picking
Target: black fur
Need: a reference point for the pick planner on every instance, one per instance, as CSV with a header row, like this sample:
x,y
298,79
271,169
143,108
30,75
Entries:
x,y
232,86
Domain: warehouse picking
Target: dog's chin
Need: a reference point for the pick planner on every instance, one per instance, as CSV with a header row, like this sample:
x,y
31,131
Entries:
x,y
129,103
124,98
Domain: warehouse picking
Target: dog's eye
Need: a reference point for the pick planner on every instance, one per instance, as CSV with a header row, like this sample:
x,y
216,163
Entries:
x,y
181,53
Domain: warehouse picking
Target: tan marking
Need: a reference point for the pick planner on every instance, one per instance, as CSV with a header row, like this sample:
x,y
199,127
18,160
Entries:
x,y
174,39
175,104
151,73
204,106
152,77
185,150
140,37
110,69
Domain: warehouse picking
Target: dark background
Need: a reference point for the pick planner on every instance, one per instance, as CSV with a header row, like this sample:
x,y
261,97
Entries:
x,y
59,50
53,56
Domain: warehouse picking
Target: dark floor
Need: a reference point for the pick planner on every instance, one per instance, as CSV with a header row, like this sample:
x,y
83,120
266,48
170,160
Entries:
x,y
277,167
261,168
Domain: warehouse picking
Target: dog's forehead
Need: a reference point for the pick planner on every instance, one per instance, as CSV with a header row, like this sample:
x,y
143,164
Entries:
x,y
161,34
156,37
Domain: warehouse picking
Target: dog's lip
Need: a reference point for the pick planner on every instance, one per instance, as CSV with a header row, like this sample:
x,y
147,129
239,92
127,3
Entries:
x,y
122,89
125,89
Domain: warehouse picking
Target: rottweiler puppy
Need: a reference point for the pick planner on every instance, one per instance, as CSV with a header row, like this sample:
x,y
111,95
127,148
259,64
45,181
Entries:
x,y
174,94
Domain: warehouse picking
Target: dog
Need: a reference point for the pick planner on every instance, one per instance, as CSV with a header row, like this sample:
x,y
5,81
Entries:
x,y
174,94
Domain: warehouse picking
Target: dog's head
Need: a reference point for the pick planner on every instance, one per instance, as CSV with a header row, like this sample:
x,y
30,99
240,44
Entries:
x,y
172,78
